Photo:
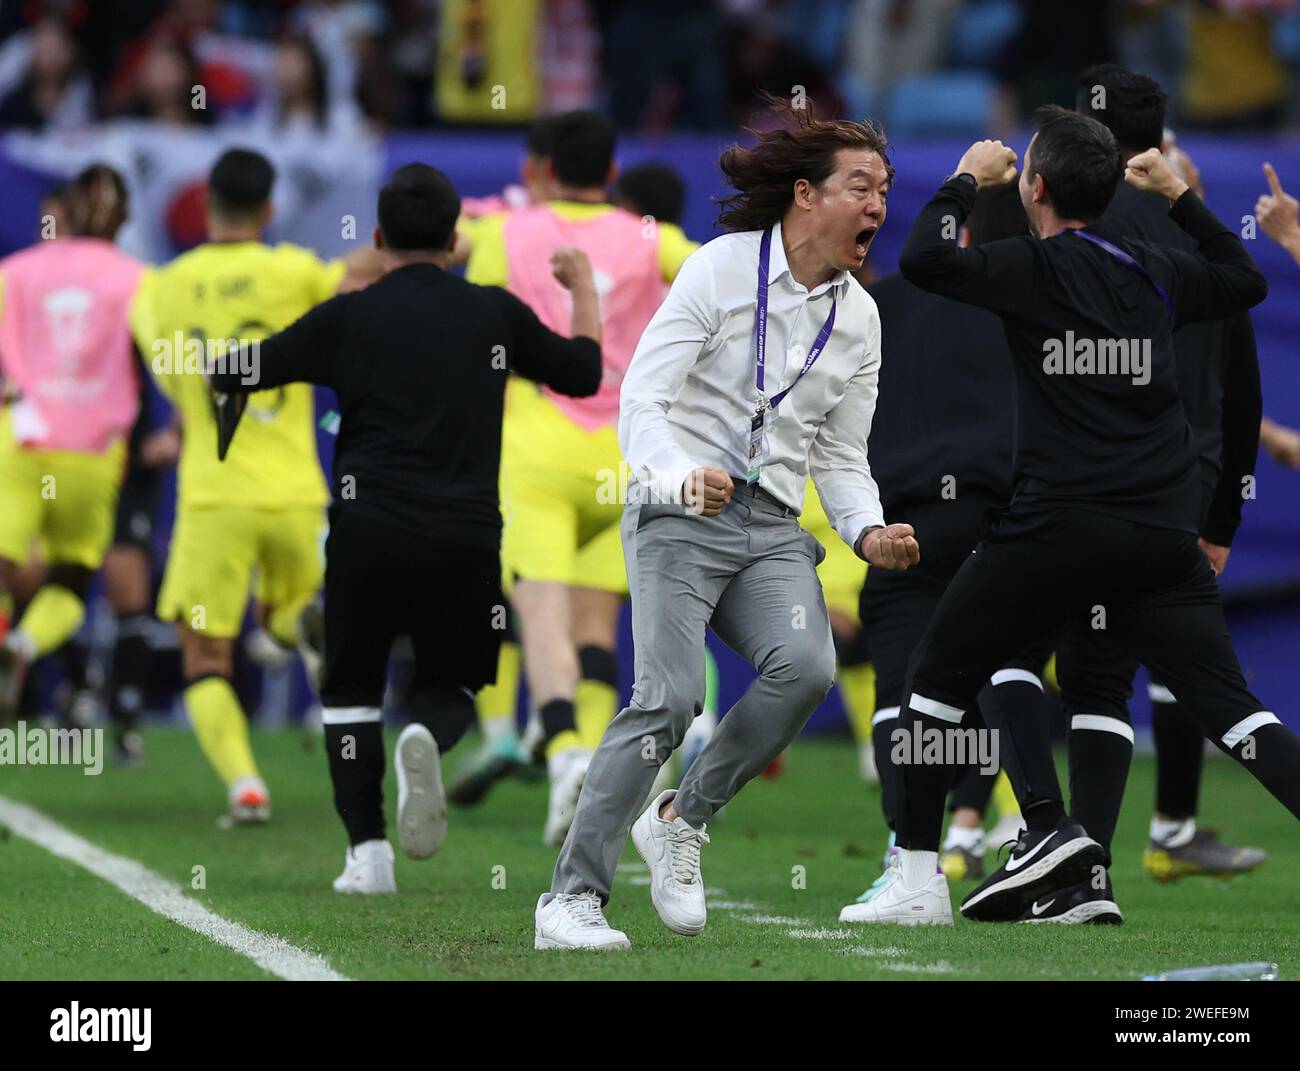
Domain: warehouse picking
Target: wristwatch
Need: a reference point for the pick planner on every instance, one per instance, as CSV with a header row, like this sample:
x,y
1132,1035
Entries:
x,y
965,175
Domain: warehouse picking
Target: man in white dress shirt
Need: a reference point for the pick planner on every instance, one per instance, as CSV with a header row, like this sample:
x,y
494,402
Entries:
x,y
760,367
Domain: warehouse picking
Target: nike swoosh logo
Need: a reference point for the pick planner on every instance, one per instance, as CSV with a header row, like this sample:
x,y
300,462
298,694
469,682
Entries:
x,y
1016,864
1039,910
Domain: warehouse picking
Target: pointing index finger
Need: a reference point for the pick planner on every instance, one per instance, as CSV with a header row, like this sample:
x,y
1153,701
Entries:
x,y
1274,183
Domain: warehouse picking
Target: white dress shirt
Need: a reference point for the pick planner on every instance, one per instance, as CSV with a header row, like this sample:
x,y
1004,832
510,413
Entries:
x,y
690,393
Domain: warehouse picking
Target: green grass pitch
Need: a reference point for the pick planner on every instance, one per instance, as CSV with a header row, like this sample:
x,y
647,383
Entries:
x,y
783,860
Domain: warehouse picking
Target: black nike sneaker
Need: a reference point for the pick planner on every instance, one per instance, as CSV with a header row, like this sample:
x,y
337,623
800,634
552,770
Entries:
x,y
1041,863
1079,904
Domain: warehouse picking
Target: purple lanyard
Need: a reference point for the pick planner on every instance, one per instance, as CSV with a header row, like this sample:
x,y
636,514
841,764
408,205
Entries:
x,y
1128,261
823,336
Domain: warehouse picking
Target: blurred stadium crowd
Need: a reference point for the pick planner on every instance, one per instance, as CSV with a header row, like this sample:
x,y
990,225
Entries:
x,y
923,67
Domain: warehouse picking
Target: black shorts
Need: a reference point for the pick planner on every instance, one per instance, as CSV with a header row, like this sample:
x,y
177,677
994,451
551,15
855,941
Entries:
x,y
382,582
136,505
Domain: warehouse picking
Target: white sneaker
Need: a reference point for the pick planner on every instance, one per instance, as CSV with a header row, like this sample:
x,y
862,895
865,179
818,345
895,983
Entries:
x,y
421,802
368,869
568,770
672,852
867,762
250,802
891,901
574,921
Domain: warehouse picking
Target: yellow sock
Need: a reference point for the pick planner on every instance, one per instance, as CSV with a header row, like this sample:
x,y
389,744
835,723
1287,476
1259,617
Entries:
x,y
52,618
496,703
857,685
1004,796
594,705
221,727
562,741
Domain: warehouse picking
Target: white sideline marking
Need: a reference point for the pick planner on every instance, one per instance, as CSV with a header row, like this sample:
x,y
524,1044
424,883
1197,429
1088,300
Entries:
x,y
863,950
821,935
166,898
773,920
730,905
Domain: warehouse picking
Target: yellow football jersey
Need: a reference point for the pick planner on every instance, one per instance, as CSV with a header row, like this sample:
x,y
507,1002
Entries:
x,y
198,305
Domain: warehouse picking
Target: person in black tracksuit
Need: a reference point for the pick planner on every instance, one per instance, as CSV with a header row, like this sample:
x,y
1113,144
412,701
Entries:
x,y
1102,531
419,361
941,446
1219,382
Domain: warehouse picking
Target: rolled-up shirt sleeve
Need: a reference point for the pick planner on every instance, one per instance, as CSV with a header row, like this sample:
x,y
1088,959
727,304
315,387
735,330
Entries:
x,y
838,458
669,348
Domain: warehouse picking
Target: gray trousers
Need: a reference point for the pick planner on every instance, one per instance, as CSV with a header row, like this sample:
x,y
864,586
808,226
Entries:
x,y
751,573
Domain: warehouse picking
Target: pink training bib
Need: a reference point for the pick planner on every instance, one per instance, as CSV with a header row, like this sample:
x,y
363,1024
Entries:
x,y
629,283
65,343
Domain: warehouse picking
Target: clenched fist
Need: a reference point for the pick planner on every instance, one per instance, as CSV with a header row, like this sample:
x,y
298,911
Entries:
x,y
706,491
572,268
893,547
990,162
1150,172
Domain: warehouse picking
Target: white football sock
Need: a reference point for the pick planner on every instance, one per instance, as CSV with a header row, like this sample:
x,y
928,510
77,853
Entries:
x,y
917,867
1172,834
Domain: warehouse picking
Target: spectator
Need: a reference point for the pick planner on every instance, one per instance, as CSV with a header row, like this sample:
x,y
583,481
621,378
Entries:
x,y
55,93
1038,65
887,40
166,86
663,63
297,100
762,62
347,35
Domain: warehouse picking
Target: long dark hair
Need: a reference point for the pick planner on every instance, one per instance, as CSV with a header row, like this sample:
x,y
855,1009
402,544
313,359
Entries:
x,y
96,202
801,147
319,89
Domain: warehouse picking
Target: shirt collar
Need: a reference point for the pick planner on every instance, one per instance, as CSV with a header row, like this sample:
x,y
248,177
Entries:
x,y
778,266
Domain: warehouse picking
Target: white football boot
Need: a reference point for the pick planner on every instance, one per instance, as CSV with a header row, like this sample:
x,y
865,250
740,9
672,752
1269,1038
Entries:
x,y
568,771
421,802
250,802
368,869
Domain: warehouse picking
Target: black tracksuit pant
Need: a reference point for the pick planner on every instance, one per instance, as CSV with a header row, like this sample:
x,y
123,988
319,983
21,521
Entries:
x,y
1044,567
381,582
896,609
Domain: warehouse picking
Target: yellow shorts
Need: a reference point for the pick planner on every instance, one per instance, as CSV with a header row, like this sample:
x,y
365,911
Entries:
x,y
561,496
63,500
841,572
217,551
